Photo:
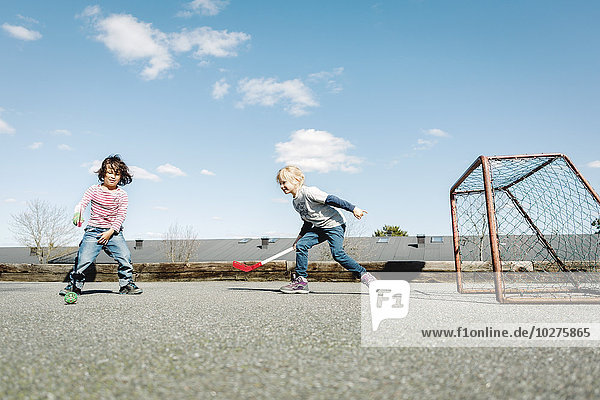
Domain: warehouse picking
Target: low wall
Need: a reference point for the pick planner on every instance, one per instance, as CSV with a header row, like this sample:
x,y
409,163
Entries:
x,y
147,272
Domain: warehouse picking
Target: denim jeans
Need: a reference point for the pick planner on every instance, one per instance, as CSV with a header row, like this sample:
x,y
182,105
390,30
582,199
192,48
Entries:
x,y
89,248
335,238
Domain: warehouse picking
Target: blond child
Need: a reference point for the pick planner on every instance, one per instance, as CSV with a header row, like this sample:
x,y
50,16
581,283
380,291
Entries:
x,y
322,222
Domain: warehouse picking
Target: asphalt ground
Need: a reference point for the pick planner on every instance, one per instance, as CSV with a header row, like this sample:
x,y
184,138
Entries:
x,y
240,340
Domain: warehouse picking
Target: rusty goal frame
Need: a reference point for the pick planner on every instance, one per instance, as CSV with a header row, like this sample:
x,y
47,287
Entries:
x,y
526,227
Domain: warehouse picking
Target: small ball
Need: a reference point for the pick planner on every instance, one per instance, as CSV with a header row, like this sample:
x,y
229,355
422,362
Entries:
x,y
71,298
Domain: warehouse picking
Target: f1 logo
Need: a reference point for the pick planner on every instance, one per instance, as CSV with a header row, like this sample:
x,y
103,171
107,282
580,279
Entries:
x,y
389,300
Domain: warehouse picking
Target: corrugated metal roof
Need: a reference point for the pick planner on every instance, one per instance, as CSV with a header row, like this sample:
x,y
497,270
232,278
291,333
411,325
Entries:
x,y
362,249
405,248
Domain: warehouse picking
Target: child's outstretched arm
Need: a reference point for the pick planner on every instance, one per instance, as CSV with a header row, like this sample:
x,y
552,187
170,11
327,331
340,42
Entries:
x,y
343,204
359,212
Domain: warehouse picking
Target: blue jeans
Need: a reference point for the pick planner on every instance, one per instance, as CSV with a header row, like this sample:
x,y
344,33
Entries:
x,y
89,248
335,238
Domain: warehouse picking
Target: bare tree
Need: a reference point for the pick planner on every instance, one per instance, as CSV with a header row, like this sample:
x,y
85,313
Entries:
x,y
180,243
44,227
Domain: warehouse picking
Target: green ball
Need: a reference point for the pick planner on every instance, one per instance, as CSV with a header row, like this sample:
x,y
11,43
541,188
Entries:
x,y
71,298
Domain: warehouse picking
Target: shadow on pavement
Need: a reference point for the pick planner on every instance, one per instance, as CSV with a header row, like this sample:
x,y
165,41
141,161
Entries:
x,y
98,291
449,297
279,292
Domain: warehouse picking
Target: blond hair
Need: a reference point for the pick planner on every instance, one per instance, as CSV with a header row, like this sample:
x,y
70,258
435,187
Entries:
x,y
290,172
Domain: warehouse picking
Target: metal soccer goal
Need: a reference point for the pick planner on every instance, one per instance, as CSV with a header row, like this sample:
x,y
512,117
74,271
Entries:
x,y
526,227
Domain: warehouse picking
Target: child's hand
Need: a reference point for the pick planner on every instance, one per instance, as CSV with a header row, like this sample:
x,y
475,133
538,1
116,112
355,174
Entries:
x,y
358,213
77,219
105,237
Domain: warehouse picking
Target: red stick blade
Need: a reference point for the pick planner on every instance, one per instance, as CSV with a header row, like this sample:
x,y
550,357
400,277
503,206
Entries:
x,y
240,266
244,267
251,267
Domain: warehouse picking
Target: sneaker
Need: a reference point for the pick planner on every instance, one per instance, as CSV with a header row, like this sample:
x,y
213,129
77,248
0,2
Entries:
x,y
130,288
367,278
69,288
298,285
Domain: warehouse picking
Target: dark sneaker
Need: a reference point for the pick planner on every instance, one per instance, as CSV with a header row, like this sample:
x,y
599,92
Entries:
x,y
367,278
298,285
69,288
130,288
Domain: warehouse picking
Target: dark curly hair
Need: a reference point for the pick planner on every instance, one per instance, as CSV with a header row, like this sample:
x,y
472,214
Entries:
x,y
115,163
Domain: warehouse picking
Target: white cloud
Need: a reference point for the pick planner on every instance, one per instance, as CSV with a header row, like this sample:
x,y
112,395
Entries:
x,y
133,41
61,132
169,169
428,144
6,128
185,14
204,7
90,12
594,164
35,145
92,166
28,19
141,173
207,172
437,133
294,94
207,42
65,147
22,33
160,208
220,89
424,144
10,200
320,151
216,218
328,77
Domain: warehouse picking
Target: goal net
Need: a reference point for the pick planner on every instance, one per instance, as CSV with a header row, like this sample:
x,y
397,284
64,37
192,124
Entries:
x,y
527,228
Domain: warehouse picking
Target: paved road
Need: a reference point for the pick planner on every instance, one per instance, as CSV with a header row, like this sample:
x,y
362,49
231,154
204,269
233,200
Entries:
x,y
245,340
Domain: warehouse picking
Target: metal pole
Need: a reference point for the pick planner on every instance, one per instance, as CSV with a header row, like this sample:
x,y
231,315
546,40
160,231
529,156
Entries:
x,y
456,242
533,171
489,200
466,174
526,156
585,182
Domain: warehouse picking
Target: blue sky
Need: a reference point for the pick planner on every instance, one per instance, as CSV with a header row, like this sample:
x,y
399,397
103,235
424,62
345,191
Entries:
x,y
383,103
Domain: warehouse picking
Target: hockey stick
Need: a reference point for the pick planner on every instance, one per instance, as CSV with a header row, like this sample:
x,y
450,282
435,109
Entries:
x,y
248,268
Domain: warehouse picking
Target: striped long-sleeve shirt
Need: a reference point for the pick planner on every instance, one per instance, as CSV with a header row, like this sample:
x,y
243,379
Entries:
x,y
109,207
